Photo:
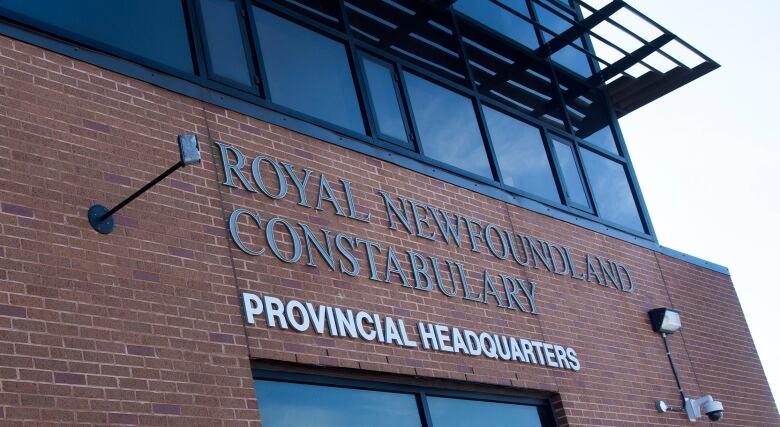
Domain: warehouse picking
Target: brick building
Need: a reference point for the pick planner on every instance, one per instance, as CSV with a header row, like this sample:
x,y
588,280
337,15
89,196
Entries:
x,y
406,213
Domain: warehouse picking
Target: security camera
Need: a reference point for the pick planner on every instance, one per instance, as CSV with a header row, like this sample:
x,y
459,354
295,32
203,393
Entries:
x,y
713,410
704,405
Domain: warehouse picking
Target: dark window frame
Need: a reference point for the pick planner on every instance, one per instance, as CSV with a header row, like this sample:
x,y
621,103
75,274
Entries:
x,y
248,47
566,140
401,98
326,32
629,180
546,144
544,406
91,43
478,116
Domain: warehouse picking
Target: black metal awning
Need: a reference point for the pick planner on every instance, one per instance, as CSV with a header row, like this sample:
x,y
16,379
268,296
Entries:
x,y
633,60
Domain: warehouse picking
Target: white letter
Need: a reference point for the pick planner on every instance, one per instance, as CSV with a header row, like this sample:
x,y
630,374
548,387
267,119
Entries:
x,y
274,310
252,306
425,330
361,317
442,334
304,323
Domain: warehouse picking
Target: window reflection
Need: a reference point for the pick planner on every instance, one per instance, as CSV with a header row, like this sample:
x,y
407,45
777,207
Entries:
x,y
572,180
307,72
448,412
521,155
588,114
603,138
152,29
502,18
224,43
383,95
285,404
611,191
569,57
447,126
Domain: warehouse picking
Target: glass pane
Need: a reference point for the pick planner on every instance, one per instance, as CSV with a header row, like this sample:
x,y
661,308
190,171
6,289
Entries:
x,y
307,72
573,59
294,405
151,29
447,124
575,190
447,412
323,11
502,19
384,98
552,19
224,42
521,156
603,138
588,116
611,191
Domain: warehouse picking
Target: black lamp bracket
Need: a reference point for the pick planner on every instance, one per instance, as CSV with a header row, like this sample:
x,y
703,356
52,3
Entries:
x,y
102,218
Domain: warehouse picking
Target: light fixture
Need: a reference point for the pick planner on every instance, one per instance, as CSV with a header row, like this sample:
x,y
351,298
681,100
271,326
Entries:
x,y
102,219
667,321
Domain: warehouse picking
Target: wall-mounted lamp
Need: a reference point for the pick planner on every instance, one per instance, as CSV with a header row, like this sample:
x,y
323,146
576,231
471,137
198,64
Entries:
x,y
667,321
102,219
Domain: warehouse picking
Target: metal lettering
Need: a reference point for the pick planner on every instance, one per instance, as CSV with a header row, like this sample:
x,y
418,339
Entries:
x,y
353,214
229,170
270,237
233,227
326,194
258,177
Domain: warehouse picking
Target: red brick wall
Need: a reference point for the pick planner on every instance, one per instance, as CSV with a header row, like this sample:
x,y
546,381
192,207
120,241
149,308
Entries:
x,y
143,326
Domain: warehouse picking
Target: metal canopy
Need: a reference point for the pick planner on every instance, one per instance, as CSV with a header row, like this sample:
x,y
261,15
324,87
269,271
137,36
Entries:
x,y
633,60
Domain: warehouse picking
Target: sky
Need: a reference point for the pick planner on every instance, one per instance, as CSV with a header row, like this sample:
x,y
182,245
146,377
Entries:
x,y
707,156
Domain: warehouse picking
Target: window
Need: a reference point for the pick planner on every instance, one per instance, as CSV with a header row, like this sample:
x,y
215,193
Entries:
x,y
522,158
572,180
385,99
449,412
551,17
225,50
589,117
502,16
470,90
307,71
152,30
284,404
447,126
291,400
611,191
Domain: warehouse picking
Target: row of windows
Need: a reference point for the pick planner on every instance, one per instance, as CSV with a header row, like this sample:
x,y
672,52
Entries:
x,y
293,63
298,400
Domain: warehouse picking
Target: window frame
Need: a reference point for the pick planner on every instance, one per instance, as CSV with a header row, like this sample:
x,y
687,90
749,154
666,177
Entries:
x,y
566,140
629,180
546,144
401,98
543,406
91,43
481,128
248,47
324,31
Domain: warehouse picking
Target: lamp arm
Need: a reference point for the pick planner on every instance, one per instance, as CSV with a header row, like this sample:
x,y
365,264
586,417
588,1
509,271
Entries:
x,y
674,369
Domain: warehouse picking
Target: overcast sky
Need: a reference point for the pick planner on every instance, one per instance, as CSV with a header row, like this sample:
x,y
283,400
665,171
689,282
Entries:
x,y
707,156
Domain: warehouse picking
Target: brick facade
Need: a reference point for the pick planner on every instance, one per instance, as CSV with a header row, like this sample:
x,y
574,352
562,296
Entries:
x,y
144,326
